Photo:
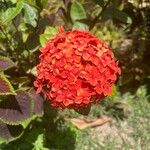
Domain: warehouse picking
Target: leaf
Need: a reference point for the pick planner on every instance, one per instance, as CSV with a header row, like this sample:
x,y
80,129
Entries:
x,y
6,63
80,26
5,86
77,11
43,40
39,143
9,133
15,110
11,13
112,12
30,15
48,33
38,102
84,123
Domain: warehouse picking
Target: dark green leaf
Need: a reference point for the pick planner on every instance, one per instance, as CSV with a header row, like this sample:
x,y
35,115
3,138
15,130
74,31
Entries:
x,y
16,109
30,15
77,11
6,63
9,133
11,13
112,12
5,86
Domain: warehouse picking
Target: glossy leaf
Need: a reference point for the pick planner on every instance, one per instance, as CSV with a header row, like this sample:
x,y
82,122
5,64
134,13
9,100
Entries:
x,y
16,109
6,63
30,15
37,101
5,86
11,13
77,11
9,132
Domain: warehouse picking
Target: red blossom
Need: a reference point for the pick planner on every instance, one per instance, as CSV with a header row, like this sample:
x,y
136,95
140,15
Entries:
x,y
76,69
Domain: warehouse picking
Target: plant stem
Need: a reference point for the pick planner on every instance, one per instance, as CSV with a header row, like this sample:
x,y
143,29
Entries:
x,y
98,16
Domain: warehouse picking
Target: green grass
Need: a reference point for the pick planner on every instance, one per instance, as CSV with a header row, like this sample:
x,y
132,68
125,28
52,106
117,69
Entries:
x,y
138,121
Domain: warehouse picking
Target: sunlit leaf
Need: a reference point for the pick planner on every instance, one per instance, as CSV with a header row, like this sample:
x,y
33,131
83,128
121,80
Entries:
x,y
9,132
16,109
77,11
39,143
48,33
6,63
30,15
5,86
43,39
11,13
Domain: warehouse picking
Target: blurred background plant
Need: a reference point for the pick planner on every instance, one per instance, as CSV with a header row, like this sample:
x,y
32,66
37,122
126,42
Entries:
x,y
26,120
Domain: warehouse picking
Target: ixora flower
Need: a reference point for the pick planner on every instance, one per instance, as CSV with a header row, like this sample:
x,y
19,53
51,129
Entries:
x,y
76,69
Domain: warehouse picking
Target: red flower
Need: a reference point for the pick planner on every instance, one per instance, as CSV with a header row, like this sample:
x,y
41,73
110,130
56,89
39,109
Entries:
x,y
76,69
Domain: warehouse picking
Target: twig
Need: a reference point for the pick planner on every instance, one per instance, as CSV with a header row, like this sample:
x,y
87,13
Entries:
x,y
98,16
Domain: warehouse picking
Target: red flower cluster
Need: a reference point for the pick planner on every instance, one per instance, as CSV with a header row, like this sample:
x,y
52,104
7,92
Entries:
x,y
75,69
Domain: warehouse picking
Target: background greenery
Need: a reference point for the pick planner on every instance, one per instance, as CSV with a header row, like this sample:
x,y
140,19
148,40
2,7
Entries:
x,y
27,121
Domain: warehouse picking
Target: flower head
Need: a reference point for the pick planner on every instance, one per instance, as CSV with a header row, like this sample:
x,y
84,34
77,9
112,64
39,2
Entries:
x,y
75,69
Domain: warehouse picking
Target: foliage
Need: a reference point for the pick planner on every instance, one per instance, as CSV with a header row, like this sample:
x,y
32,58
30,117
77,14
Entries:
x,y
26,120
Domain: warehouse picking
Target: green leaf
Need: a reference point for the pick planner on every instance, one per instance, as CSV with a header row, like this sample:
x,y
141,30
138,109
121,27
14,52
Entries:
x,y
48,33
9,133
30,15
112,12
11,13
77,11
80,26
39,143
43,39
27,121
16,110
6,63
5,86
